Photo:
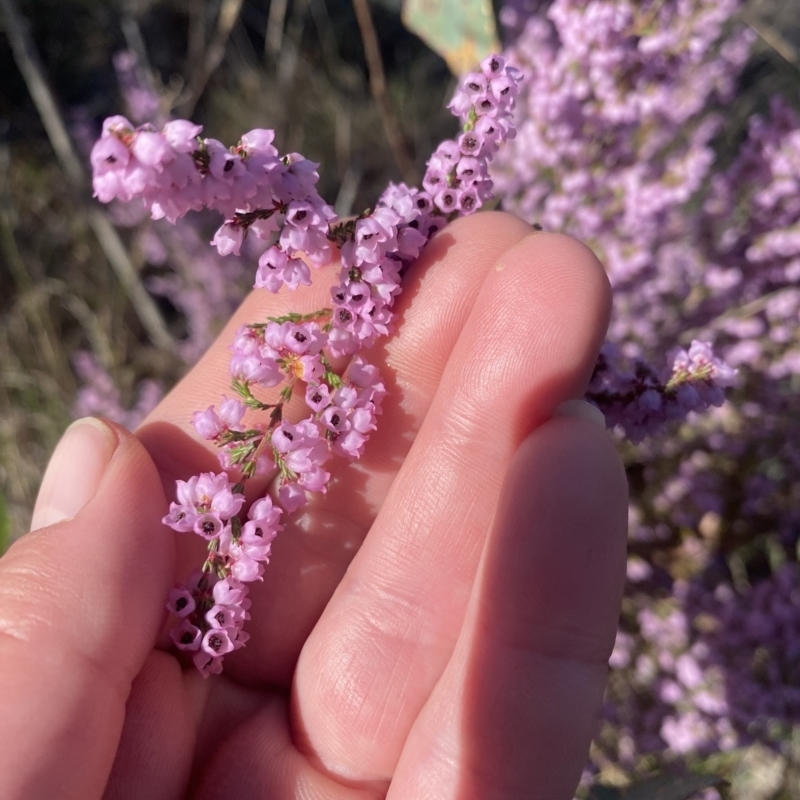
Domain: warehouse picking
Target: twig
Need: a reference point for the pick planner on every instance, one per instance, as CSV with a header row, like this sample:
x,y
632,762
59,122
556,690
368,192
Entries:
x,y
338,70
348,189
290,45
377,85
27,59
273,40
228,14
135,43
143,70
771,37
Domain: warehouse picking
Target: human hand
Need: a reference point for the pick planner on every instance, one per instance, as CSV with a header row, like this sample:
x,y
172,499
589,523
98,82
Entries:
x,y
437,626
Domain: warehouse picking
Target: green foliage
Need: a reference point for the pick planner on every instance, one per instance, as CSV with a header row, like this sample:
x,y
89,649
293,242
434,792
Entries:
x,y
463,32
659,787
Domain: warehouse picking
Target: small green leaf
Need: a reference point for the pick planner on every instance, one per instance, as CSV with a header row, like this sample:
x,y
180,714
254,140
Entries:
x,y
672,787
463,32
332,379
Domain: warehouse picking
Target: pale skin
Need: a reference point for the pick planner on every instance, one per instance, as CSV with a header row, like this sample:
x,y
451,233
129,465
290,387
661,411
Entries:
x,y
437,626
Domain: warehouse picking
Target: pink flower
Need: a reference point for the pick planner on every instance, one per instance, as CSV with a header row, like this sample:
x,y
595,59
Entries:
x,y
109,154
493,65
206,664
259,139
181,135
217,642
296,273
151,149
220,617
181,517
181,602
231,412
350,443
116,125
317,396
207,423
470,143
228,592
228,239
292,496
316,480
186,636
247,569
447,200
209,492
209,526
265,510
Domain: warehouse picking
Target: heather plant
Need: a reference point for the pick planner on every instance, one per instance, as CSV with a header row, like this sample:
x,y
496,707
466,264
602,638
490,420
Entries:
x,y
261,194
619,121
619,118
199,284
125,606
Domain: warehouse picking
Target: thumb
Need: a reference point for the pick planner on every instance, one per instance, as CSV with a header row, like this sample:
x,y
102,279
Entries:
x,y
81,603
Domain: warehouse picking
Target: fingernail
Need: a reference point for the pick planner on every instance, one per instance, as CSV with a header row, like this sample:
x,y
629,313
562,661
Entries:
x,y
74,472
582,410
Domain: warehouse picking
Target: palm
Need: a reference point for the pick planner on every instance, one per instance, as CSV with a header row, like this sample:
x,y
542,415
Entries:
x,y
393,649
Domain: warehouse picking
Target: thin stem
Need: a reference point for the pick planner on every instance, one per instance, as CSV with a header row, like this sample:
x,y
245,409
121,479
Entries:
x,y
273,40
773,38
377,85
228,15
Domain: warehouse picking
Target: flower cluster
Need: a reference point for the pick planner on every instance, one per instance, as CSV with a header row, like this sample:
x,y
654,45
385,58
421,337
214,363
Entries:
x,y
618,142
344,411
173,171
709,670
611,146
639,401
213,606
377,247
457,177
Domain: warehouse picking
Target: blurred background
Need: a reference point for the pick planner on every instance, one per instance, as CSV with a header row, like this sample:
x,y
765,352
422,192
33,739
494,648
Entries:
x,y
103,309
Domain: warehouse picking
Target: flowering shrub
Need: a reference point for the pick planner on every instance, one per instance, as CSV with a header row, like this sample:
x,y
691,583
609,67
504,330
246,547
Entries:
x,y
274,198
617,118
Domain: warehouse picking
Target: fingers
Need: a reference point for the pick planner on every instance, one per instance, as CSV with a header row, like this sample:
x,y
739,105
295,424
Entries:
x,y
515,710
529,344
312,553
81,602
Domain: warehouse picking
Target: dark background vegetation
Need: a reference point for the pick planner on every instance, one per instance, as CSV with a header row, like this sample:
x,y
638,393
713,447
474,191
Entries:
x,y
304,75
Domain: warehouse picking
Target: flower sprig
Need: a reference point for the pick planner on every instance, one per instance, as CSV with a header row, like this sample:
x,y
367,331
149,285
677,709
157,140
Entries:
x,y
273,197
174,171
